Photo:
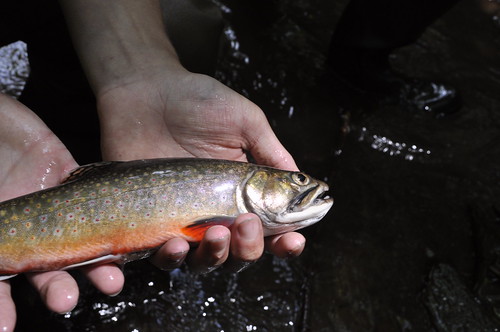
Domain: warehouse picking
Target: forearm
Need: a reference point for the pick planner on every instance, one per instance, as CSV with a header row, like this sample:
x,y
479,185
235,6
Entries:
x,y
118,40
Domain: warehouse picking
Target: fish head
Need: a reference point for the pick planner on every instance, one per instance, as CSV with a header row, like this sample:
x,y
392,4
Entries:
x,y
286,201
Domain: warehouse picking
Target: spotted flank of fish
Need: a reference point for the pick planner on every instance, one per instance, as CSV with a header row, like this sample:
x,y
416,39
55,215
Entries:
x,y
120,211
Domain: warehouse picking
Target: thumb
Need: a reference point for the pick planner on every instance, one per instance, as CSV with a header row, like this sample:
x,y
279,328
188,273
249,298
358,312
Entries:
x,y
265,147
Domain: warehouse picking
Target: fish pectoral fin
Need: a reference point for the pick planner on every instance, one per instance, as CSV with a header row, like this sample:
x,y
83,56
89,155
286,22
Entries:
x,y
197,229
7,276
99,260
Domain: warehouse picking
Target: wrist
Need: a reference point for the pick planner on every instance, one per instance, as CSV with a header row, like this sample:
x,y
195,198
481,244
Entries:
x,y
118,41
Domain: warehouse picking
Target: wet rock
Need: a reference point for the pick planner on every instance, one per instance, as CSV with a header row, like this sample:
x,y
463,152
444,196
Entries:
x,y
452,305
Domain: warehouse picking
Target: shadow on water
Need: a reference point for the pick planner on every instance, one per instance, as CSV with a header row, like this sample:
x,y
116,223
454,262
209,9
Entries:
x,y
413,241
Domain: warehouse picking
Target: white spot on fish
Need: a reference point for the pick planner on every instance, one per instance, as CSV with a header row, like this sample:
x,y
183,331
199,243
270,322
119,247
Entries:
x,y
70,216
172,214
12,231
27,210
43,218
132,225
58,231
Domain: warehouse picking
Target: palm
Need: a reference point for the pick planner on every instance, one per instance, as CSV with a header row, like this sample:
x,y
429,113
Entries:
x,y
32,157
195,117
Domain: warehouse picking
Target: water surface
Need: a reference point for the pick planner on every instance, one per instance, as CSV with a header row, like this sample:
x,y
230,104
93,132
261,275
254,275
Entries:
x,y
416,220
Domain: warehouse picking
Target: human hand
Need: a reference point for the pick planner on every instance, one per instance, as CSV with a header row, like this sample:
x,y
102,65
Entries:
x,y
33,158
150,106
181,114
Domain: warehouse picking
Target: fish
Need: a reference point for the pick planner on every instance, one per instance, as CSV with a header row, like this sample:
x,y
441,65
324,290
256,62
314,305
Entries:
x,y
124,210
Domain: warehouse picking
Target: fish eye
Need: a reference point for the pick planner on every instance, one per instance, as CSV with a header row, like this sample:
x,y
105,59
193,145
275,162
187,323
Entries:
x,y
300,178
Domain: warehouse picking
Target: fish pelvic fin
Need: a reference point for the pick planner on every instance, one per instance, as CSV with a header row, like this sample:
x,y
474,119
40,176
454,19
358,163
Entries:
x,y
7,276
197,229
96,261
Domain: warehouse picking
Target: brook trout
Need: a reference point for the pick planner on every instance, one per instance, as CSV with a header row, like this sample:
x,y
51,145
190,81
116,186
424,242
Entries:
x,y
121,211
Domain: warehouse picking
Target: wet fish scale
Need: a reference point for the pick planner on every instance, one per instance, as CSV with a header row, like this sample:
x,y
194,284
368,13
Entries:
x,y
131,205
123,208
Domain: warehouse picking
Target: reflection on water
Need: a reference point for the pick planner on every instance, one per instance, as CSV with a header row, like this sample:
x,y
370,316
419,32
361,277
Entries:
x,y
410,192
182,301
392,148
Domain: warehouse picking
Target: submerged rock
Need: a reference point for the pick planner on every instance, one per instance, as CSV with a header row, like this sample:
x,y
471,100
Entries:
x,y
452,305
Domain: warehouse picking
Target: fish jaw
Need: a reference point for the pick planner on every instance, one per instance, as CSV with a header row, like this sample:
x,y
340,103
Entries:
x,y
311,206
317,206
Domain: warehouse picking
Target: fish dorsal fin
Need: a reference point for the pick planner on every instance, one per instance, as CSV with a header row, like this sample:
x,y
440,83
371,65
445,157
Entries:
x,y
84,170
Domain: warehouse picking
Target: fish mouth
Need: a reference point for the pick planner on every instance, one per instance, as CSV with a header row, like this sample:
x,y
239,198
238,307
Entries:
x,y
305,209
315,196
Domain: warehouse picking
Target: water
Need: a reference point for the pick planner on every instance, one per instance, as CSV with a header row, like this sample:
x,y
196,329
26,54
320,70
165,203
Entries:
x,y
413,193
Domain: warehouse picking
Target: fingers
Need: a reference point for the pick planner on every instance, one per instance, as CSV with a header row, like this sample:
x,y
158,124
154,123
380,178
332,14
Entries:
x,y
264,146
108,278
7,308
243,245
287,245
58,290
212,251
171,255
236,249
247,242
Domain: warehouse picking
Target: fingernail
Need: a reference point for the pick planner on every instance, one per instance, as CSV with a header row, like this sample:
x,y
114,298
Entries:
x,y
210,269
115,294
243,266
177,257
292,253
173,261
248,229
